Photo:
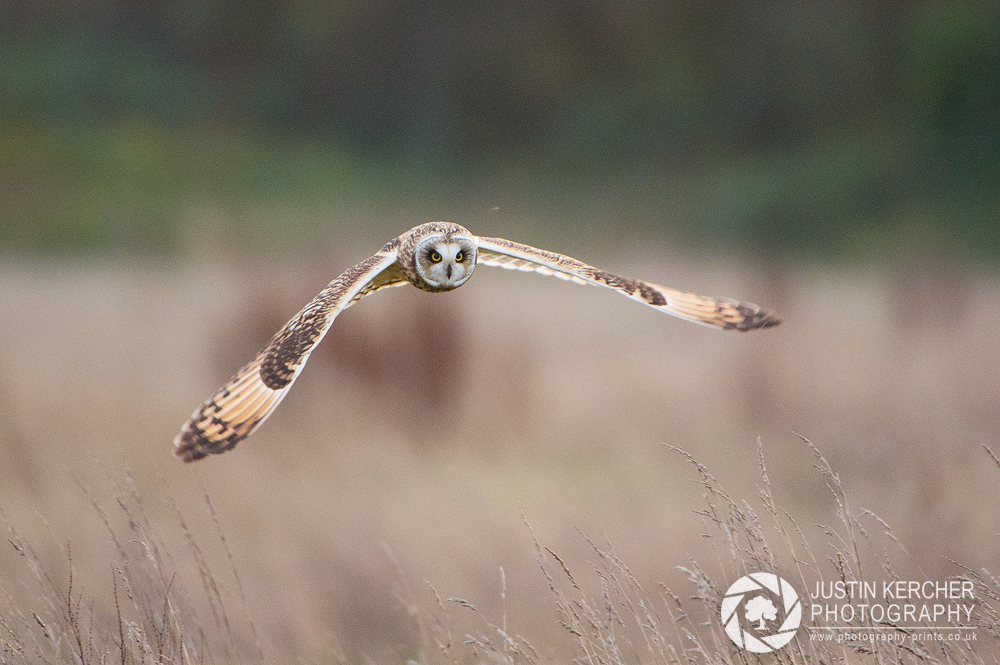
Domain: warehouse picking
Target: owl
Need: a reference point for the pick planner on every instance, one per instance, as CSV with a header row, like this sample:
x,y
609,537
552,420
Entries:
x,y
435,257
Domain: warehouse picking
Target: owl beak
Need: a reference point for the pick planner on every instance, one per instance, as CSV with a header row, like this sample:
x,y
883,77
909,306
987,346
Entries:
x,y
447,270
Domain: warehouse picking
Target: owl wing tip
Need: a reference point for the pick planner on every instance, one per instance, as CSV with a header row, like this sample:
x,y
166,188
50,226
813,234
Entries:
x,y
755,317
189,453
191,445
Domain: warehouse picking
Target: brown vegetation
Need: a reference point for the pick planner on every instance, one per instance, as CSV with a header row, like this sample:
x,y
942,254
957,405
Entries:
x,y
388,484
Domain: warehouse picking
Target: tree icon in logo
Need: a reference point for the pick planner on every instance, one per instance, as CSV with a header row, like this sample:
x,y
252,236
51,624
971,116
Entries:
x,y
761,595
760,608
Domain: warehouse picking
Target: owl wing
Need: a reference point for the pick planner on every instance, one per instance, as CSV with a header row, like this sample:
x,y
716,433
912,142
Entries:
x,y
717,312
240,406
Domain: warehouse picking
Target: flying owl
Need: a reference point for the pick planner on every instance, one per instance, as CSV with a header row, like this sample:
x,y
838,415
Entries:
x,y
438,256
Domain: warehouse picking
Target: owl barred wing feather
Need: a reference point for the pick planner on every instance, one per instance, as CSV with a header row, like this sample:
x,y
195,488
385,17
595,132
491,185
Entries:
x,y
239,407
717,312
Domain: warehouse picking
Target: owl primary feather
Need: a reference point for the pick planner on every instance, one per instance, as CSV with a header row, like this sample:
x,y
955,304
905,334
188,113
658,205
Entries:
x,y
439,256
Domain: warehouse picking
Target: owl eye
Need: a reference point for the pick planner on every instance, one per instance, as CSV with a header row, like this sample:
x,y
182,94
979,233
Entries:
x,y
460,257
435,257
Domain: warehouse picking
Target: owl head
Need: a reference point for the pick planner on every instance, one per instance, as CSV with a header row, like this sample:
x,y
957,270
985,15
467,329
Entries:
x,y
445,259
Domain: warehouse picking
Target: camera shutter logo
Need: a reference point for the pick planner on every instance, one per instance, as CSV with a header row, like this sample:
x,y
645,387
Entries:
x,y
758,597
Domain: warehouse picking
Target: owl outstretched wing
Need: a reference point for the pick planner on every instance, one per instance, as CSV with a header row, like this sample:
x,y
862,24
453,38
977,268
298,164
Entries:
x,y
240,406
717,312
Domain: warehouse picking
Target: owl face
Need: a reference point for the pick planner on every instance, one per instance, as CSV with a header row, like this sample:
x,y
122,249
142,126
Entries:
x,y
445,261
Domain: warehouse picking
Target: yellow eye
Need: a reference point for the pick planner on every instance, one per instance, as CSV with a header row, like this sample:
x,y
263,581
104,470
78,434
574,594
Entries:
x,y
435,257
460,257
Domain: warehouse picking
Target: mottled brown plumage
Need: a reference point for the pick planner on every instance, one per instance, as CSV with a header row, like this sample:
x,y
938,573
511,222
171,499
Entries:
x,y
721,313
435,257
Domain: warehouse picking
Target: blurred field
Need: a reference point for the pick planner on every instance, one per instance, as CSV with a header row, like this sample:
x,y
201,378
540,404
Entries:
x,y
428,429
178,179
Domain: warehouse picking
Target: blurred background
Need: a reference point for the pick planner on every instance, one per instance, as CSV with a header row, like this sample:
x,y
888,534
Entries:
x,y
178,178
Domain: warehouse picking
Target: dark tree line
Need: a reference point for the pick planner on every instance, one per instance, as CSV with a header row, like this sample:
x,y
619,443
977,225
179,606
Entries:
x,y
669,84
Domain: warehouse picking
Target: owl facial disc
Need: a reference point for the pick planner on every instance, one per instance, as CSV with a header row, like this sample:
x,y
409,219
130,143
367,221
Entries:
x,y
445,262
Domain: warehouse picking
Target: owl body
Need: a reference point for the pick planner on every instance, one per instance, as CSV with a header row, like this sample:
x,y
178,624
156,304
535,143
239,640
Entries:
x,y
434,257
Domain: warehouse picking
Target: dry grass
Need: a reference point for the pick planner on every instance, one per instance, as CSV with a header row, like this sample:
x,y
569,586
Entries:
x,y
401,465
149,614
153,614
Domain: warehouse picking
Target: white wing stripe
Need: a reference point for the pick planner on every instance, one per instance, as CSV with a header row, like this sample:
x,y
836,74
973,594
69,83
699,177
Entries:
x,y
488,258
